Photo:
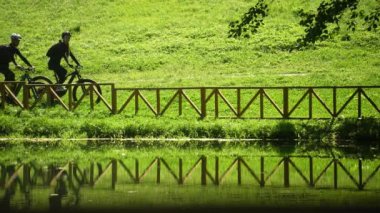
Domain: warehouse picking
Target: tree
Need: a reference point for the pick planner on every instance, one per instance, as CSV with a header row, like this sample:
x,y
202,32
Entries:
x,y
316,24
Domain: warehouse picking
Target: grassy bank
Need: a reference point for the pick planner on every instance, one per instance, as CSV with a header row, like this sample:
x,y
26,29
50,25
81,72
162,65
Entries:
x,y
58,124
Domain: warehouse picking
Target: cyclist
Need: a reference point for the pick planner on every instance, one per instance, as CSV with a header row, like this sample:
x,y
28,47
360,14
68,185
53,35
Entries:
x,y
7,55
56,53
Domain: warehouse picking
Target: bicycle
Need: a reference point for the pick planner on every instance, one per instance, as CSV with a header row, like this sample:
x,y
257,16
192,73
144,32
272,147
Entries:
x,y
82,83
34,91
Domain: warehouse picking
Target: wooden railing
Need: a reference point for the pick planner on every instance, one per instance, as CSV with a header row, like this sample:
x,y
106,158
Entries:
x,y
247,170
218,102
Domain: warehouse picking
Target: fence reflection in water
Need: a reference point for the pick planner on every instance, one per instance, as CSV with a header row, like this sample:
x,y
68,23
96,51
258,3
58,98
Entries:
x,y
64,182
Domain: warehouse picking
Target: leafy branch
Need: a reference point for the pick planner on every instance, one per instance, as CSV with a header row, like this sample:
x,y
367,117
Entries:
x,y
250,21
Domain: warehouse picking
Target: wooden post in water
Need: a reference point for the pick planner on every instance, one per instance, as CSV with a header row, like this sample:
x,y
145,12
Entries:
x,y
203,170
114,173
335,173
137,180
262,177
216,170
71,173
180,172
3,175
92,168
26,176
286,171
360,174
158,170
311,181
239,170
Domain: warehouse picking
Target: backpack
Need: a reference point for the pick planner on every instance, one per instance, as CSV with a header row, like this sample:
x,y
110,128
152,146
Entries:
x,y
52,51
5,57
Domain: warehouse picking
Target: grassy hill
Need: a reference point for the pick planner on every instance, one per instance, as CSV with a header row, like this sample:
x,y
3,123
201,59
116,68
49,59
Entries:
x,y
184,43
164,43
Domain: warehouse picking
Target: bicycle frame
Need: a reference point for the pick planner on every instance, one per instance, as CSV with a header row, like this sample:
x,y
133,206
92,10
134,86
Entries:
x,y
18,86
72,76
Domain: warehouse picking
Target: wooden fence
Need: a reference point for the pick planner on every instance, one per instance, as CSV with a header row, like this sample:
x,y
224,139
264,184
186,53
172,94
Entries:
x,y
209,170
241,102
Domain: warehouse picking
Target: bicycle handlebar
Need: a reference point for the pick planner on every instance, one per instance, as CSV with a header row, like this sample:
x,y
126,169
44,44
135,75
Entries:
x,y
27,69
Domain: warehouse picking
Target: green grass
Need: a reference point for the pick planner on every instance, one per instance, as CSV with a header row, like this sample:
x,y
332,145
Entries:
x,y
143,43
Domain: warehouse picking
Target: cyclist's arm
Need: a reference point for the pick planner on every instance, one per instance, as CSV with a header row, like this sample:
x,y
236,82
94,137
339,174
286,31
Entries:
x,y
74,59
22,58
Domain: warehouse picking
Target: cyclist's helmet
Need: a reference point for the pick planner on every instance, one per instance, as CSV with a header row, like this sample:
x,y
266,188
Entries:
x,y
65,34
15,36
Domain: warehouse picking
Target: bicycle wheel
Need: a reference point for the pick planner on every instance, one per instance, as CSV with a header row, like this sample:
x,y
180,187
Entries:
x,y
37,90
79,90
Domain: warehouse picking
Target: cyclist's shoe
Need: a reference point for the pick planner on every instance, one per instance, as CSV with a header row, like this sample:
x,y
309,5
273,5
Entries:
x,y
10,100
60,89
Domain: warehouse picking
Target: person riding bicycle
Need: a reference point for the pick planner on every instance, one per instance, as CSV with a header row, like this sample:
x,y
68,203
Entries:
x,y
7,55
57,52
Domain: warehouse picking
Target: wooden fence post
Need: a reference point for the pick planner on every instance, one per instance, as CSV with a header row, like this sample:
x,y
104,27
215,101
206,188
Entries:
x,y
238,91
216,93
2,92
71,102
158,98
261,103
180,102
114,99
285,91
334,103
25,100
136,101
91,88
114,173
286,171
359,102
310,103
203,102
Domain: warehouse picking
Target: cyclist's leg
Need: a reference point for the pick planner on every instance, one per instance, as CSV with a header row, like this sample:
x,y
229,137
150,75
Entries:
x,y
61,73
8,76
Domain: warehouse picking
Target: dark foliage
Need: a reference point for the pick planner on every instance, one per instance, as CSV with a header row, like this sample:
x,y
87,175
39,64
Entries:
x,y
250,21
